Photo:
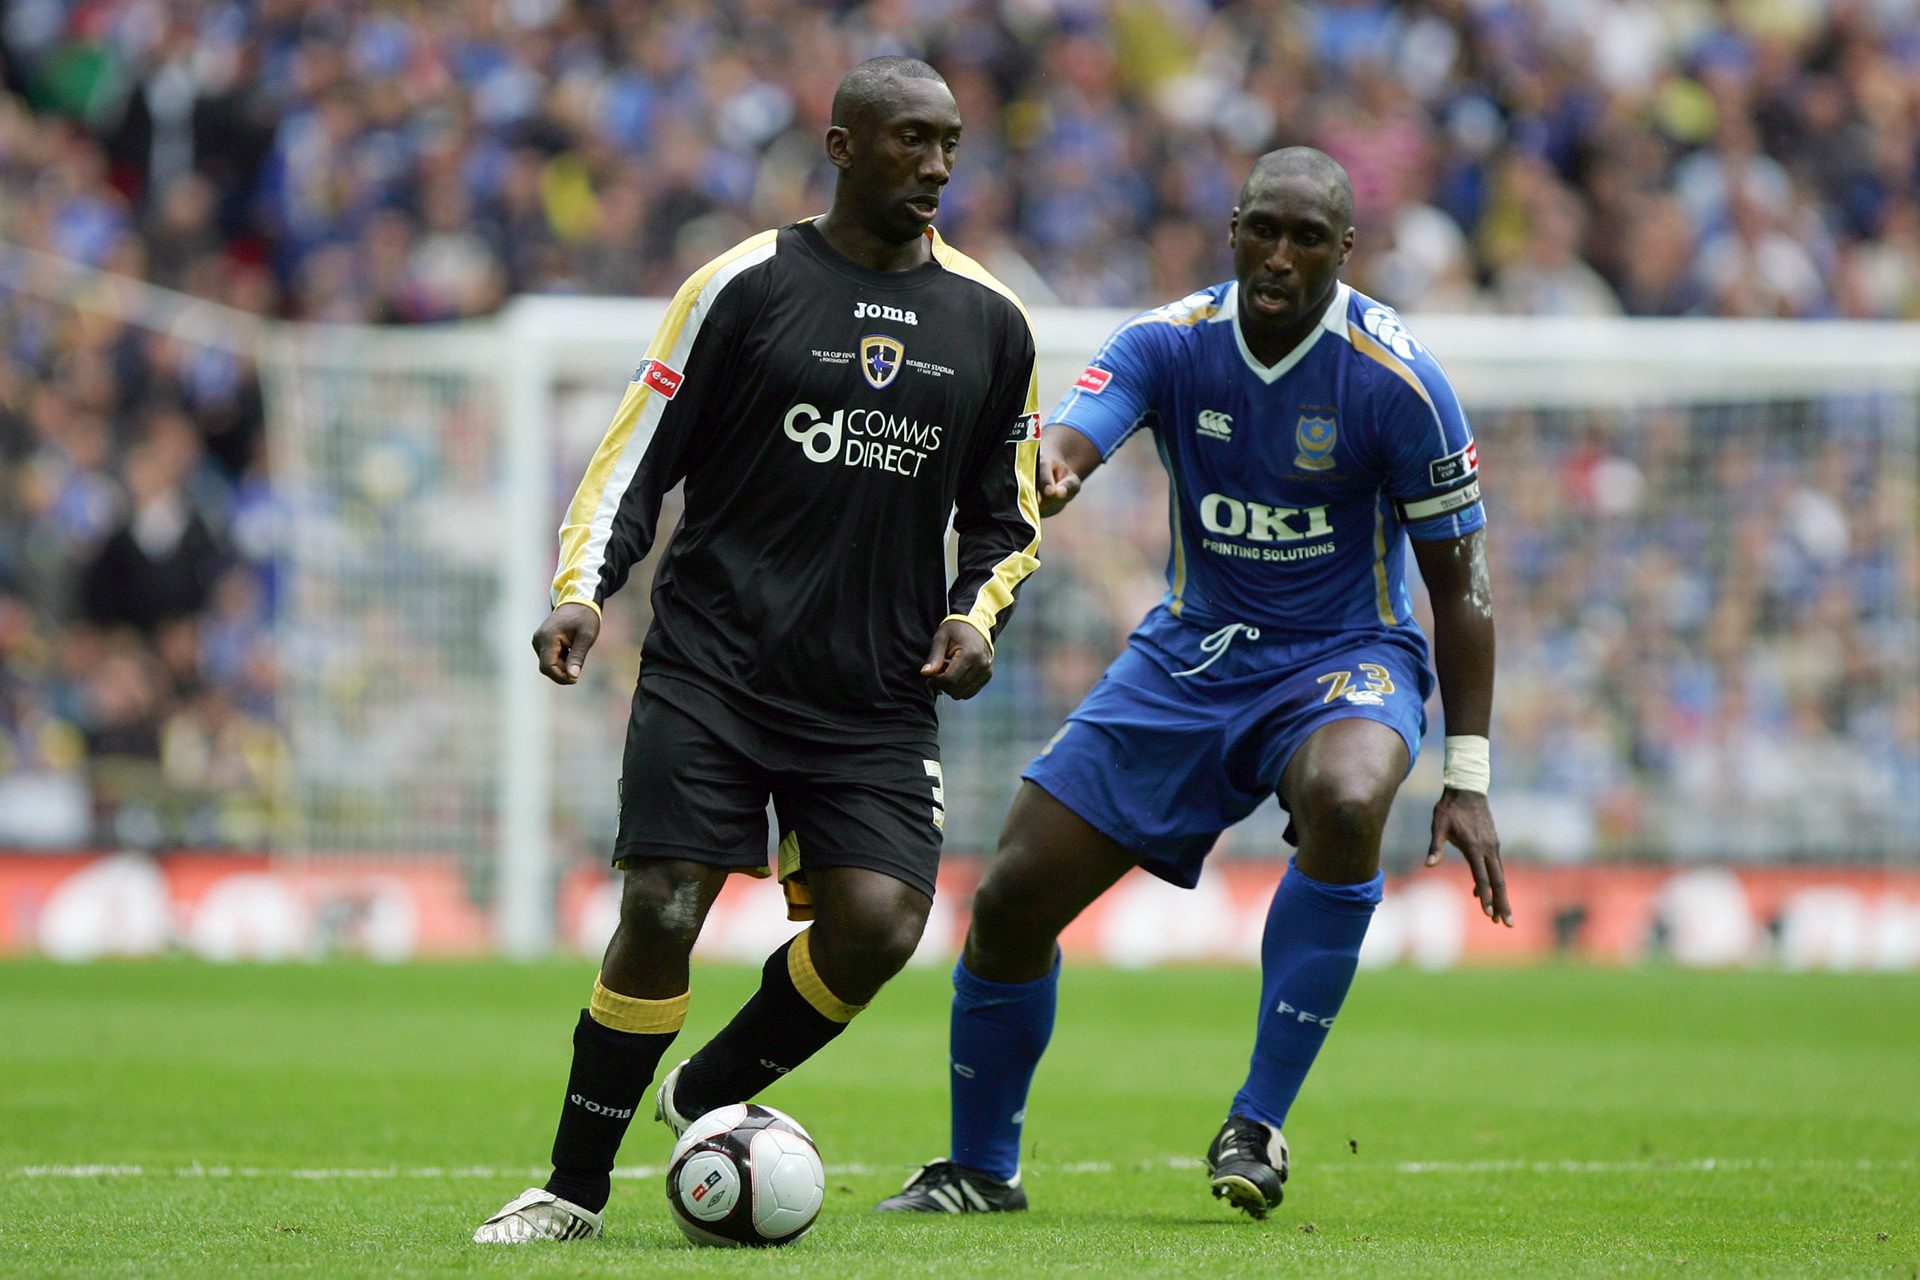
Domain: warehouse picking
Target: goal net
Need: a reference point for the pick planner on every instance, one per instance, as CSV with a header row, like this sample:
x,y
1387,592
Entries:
x,y
1702,534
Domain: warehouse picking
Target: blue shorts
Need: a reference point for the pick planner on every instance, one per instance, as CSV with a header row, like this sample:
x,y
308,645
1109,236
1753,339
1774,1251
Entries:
x,y
1179,742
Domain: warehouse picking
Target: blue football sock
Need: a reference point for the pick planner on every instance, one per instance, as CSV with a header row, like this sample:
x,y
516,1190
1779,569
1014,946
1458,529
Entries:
x,y
1307,957
1000,1029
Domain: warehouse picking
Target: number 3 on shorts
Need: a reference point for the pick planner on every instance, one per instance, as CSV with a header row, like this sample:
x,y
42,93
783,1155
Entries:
x,y
1379,680
939,793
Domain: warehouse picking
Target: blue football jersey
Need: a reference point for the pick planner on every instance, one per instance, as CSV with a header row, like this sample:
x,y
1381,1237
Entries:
x,y
1291,484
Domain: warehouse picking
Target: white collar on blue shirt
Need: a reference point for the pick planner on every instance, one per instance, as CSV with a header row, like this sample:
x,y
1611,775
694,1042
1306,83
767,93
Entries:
x,y
1333,321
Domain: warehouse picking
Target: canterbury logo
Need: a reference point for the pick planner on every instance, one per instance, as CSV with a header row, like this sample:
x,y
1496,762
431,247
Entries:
x,y
1216,425
1392,334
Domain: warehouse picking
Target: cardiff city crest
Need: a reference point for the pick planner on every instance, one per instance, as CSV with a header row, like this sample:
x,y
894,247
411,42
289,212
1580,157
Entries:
x,y
880,358
1313,438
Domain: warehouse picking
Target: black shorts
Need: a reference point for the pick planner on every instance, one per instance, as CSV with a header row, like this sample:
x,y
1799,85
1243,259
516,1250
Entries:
x,y
697,776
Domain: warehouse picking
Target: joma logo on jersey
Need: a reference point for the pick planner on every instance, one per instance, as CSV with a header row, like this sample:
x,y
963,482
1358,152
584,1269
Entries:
x,y
874,311
1216,425
1258,522
880,358
661,377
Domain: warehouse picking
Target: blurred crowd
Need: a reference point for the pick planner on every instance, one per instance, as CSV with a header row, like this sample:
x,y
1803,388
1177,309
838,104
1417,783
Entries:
x,y
1710,645
387,162
1707,638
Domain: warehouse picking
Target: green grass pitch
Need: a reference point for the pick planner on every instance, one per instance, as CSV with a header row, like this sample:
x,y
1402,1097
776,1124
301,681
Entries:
x,y
176,1119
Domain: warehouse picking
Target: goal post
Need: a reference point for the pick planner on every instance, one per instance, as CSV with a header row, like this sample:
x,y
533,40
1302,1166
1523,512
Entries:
x,y
1706,569
1640,473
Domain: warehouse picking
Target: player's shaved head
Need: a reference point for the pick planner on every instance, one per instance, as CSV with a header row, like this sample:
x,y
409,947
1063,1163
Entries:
x,y
1314,166
870,85
895,132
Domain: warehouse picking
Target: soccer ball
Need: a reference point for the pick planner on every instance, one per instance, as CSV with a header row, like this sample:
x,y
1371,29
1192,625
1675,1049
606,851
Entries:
x,y
745,1175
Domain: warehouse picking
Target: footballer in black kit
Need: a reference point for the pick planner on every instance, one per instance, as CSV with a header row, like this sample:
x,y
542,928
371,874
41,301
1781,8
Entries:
x,y
831,395
826,418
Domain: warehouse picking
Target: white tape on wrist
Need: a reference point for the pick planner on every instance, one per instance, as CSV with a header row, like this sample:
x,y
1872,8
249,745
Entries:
x,y
1468,764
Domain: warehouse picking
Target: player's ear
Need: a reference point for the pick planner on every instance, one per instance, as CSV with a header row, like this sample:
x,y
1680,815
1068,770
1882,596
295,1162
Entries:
x,y
1233,226
839,146
1346,245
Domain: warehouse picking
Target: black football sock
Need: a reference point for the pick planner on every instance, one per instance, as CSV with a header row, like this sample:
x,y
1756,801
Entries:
x,y
617,1046
789,1019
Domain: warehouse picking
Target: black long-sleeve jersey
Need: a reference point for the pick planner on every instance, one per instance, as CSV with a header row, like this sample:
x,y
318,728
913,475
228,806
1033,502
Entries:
x,y
827,420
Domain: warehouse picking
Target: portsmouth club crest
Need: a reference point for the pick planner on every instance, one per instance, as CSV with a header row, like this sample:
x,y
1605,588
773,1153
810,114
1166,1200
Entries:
x,y
880,358
1313,439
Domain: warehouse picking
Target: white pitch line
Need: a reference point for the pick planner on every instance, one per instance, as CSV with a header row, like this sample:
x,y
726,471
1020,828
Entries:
x,y
1707,1164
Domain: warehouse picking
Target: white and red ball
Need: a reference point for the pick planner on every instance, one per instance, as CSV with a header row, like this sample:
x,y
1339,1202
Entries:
x,y
745,1174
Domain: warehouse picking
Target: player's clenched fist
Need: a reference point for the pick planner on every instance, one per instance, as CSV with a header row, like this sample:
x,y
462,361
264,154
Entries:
x,y
563,640
959,663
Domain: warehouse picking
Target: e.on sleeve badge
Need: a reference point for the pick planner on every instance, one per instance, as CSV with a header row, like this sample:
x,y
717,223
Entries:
x,y
1093,379
659,376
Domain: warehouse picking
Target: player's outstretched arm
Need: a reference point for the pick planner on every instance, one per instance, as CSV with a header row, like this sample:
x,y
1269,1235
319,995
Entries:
x,y
959,662
1455,571
1067,458
563,640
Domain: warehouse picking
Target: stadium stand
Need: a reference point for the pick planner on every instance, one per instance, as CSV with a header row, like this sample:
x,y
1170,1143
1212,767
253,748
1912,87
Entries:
x,y
395,163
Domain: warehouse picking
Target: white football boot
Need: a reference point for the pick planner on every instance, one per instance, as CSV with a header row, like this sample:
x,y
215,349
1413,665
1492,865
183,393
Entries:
x,y
535,1214
663,1109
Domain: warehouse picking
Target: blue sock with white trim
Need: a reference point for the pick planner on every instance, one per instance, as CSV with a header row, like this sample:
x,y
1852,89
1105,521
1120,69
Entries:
x,y
1307,960
999,1031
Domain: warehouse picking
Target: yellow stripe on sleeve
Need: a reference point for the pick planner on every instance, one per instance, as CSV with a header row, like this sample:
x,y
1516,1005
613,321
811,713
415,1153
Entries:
x,y
961,265
1364,343
996,594
589,519
569,584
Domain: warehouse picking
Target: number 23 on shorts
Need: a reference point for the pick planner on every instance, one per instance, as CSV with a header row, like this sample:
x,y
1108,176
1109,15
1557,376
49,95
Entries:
x,y
1378,681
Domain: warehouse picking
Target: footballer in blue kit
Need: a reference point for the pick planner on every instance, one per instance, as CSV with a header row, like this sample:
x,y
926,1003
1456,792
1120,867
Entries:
x,y
1310,441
